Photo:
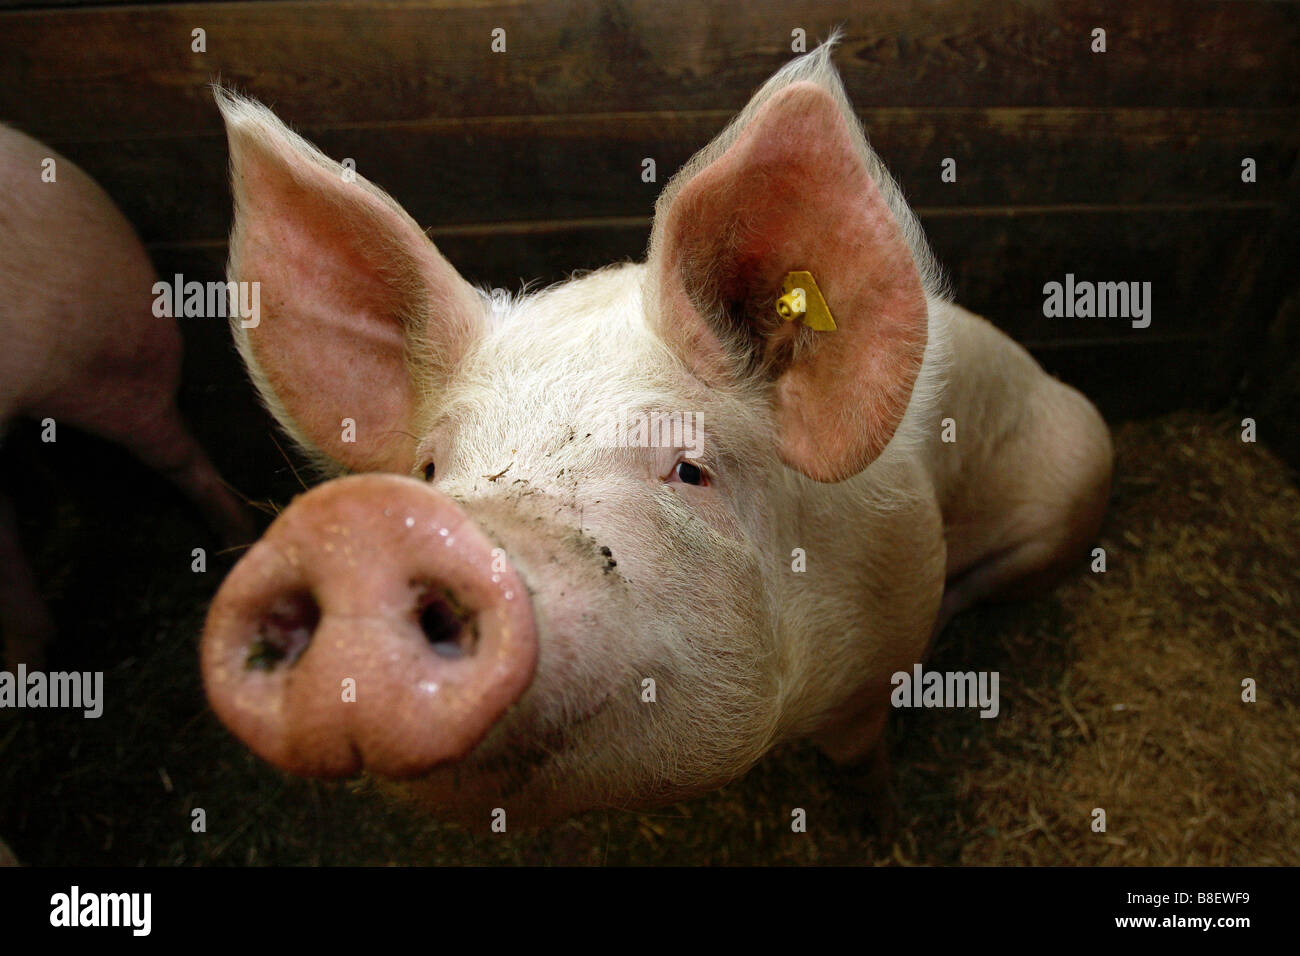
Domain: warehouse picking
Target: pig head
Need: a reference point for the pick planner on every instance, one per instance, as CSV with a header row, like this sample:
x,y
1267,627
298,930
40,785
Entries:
x,y
515,601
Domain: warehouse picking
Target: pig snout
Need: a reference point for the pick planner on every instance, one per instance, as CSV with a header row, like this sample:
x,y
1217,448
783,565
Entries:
x,y
373,627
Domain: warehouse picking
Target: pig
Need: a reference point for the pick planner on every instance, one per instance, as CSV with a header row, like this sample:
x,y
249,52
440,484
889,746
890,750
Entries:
x,y
83,347
492,604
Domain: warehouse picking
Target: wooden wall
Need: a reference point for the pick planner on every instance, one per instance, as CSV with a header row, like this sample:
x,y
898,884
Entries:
x,y
526,164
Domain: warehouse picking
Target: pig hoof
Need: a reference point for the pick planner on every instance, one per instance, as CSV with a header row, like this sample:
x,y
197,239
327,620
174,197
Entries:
x,y
868,782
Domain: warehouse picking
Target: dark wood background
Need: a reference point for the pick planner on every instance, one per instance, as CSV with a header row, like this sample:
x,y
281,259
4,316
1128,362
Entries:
x,y
1123,166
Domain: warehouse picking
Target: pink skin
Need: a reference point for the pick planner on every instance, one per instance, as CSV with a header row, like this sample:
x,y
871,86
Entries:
x,y
381,581
84,349
640,576
341,580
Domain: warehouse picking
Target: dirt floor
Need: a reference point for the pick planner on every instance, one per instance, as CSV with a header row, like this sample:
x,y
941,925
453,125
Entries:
x,y
1120,691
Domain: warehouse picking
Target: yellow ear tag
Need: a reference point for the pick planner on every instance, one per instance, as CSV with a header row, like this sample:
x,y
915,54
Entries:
x,y
804,301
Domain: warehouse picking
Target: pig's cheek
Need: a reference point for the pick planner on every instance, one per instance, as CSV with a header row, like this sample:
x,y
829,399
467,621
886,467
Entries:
x,y
573,640
719,511
703,537
583,612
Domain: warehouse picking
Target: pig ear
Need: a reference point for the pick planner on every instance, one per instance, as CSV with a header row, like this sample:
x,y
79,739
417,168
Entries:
x,y
791,185
358,311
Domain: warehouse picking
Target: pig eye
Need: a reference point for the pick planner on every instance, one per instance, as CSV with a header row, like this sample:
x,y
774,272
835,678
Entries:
x,y
429,471
689,474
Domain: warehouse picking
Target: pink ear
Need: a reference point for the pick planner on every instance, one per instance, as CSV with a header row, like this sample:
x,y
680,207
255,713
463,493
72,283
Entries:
x,y
354,297
793,192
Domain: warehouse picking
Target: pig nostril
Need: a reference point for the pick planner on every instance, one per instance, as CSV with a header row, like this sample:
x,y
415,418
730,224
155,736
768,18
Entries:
x,y
284,632
448,627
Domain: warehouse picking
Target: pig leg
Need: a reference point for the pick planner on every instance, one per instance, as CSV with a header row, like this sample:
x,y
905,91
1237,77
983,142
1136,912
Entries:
x,y
142,417
875,783
26,624
857,742
167,447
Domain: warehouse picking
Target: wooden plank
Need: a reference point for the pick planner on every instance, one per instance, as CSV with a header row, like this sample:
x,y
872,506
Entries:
x,y
1141,379
130,71
459,171
60,4
999,261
